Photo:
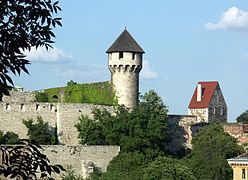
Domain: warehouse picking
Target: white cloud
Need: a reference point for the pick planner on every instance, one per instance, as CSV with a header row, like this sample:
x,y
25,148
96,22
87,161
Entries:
x,y
42,55
147,72
233,18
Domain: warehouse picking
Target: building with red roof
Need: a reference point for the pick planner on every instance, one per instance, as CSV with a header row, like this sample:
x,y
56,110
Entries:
x,y
208,103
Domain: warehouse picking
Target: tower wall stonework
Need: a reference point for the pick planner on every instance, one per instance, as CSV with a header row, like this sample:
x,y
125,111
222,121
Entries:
x,y
125,76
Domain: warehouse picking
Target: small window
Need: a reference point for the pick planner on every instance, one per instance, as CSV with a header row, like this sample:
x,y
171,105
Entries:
x,y
243,174
213,110
203,90
22,107
37,108
7,107
133,55
221,111
120,55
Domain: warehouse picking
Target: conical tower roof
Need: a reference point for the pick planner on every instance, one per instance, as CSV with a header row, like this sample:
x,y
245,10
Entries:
x,y
125,43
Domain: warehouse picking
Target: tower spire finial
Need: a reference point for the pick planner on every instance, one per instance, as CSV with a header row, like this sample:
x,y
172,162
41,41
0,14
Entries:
x,y
125,27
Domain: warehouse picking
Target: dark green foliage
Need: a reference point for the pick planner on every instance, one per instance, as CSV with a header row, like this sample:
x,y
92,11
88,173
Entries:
x,y
143,129
41,97
71,82
243,118
23,24
70,174
25,161
167,168
9,138
40,132
211,149
126,166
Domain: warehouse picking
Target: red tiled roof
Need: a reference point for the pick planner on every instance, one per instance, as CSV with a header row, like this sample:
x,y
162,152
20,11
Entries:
x,y
207,95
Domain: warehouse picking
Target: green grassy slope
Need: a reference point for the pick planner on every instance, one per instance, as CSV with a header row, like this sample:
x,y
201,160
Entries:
x,y
96,93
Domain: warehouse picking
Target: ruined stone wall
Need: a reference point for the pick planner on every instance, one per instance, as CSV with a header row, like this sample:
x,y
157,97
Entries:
x,y
19,97
62,115
200,113
179,127
81,158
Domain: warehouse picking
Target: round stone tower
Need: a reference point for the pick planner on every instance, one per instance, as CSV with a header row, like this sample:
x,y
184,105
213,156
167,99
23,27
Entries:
x,y
125,63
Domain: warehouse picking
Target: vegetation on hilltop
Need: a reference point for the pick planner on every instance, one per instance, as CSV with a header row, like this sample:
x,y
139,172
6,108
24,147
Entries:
x,y
95,93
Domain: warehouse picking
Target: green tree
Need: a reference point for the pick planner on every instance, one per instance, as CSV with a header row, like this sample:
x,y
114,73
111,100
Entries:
x,y
23,24
211,147
127,166
243,118
143,129
40,132
9,138
167,168
41,97
71,82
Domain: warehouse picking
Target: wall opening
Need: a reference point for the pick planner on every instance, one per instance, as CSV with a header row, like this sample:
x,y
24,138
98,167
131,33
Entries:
x,y
7,107
37,107
133,56
120,55
22,108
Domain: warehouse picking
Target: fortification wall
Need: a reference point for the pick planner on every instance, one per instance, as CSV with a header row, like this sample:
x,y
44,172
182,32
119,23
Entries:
x,y
62,115
19,97
179,127
81,158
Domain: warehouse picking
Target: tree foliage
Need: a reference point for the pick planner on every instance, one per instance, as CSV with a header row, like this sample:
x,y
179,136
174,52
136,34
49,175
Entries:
x,y
26,162
40,132
211,147
243,118
127,166
23,24
71,82
9,138
41,97
167,168
143,129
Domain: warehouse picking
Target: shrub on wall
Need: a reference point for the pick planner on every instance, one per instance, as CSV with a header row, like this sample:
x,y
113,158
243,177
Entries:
x,y
40,132
9,138
41,97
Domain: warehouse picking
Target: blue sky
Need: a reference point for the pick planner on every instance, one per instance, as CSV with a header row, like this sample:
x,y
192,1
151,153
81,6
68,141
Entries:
x,y
185,42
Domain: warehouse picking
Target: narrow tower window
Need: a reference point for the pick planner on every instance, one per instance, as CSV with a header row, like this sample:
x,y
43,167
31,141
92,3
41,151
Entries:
x,y
133,55
22,107
120,55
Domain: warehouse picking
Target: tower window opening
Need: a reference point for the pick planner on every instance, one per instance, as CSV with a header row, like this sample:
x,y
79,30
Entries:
x,y
120,55
133,55
22,108
203,90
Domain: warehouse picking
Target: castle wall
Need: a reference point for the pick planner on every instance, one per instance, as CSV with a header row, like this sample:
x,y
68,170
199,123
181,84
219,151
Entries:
x,y
201,113
81,158
62,115
179,127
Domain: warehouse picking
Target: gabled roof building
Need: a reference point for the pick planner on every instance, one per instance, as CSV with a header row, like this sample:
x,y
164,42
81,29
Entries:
x,y
208,103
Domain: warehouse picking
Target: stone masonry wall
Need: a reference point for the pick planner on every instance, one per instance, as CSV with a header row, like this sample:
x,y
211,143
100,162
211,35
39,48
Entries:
x,y
81,158
62,115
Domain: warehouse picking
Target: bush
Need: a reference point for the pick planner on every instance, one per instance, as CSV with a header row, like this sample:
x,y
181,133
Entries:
x,y
40,132
41,97
9,138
